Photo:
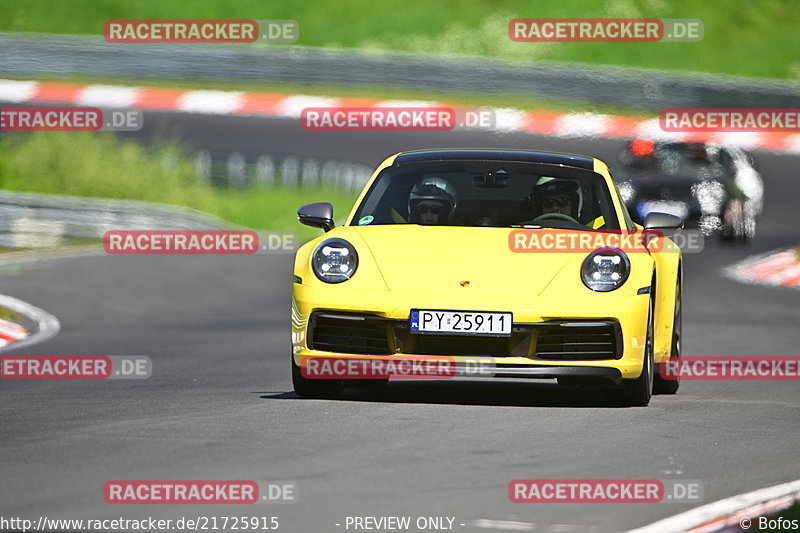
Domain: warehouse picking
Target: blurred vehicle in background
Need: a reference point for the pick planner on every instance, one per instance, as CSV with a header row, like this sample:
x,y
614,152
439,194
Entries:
x,y
714,188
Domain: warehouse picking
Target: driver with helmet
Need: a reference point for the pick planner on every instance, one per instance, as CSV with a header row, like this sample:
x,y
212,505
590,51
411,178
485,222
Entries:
x,y
558,196
551,196
432,201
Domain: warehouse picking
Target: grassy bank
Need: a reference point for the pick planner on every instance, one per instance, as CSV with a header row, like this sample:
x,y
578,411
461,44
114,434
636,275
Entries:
x,y
742,37
11,316
100,165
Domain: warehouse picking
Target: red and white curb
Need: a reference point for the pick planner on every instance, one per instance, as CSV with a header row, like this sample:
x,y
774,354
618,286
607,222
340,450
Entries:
x,y
11,332
743,509
15,336
279,105
779,268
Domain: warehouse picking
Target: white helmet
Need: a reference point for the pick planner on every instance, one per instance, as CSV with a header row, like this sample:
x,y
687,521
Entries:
x,y
434,190
546,186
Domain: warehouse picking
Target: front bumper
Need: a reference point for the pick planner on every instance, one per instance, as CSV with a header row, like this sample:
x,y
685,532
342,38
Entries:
x,y
623,317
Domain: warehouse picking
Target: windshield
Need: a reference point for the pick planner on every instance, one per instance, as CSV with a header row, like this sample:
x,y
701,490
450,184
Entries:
x,y
488,193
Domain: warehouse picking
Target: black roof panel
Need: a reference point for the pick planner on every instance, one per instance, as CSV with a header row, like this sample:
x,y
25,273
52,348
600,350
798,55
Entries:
x,y
526,156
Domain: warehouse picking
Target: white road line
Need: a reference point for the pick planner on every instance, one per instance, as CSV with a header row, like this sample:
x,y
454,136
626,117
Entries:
x,y
582,125
718,511
210,102
793,144
651,128
504,525
742,139
509,119
18,91
292,106
47,324
108,96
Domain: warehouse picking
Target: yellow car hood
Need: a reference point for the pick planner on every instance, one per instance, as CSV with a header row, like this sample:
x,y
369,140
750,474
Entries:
x,y
415,258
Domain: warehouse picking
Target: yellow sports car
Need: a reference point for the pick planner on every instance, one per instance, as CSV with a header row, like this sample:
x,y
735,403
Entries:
x,y
525,262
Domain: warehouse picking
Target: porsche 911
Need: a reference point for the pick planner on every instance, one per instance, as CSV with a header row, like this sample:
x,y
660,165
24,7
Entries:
x,y
433,263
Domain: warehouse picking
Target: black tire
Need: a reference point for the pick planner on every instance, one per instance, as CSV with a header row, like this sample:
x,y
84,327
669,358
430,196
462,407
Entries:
x,y
637,392
730,215
738,226
315,388
749,230
376,384
660,384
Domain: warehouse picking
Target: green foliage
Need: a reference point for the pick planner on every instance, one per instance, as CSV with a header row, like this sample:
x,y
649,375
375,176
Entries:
x,y
101,165
742,37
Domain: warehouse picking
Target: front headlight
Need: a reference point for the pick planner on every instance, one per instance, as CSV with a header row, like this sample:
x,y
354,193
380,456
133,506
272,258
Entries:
x,y
334,261
605,269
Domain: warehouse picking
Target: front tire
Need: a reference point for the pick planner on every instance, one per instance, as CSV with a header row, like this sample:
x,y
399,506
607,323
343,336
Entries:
x,y
314,388
637,392
369,384
662,385
738,224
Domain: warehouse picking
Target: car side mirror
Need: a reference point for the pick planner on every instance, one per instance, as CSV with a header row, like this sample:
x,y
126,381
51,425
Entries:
x,y
317,215
663,223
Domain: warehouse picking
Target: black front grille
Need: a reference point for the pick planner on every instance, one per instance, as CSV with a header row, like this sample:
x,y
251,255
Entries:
x,y
373,335
462,345
579,343
349,334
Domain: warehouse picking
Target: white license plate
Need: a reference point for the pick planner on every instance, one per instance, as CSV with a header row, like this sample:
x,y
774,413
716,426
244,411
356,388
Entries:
x,y
460,322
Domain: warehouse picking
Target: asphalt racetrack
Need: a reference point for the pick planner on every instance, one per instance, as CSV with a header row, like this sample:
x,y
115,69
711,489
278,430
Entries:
x,y
220,405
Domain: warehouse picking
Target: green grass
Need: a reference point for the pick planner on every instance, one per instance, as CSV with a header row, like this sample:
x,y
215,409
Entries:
x,y
101,165
8,314
792,513
742,37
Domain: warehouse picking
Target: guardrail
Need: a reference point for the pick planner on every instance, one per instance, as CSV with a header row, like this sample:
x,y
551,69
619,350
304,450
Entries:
x,y
238,171
29,220
45,54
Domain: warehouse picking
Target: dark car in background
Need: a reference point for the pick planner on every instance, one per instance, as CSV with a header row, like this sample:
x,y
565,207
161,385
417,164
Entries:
x,y
715,189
